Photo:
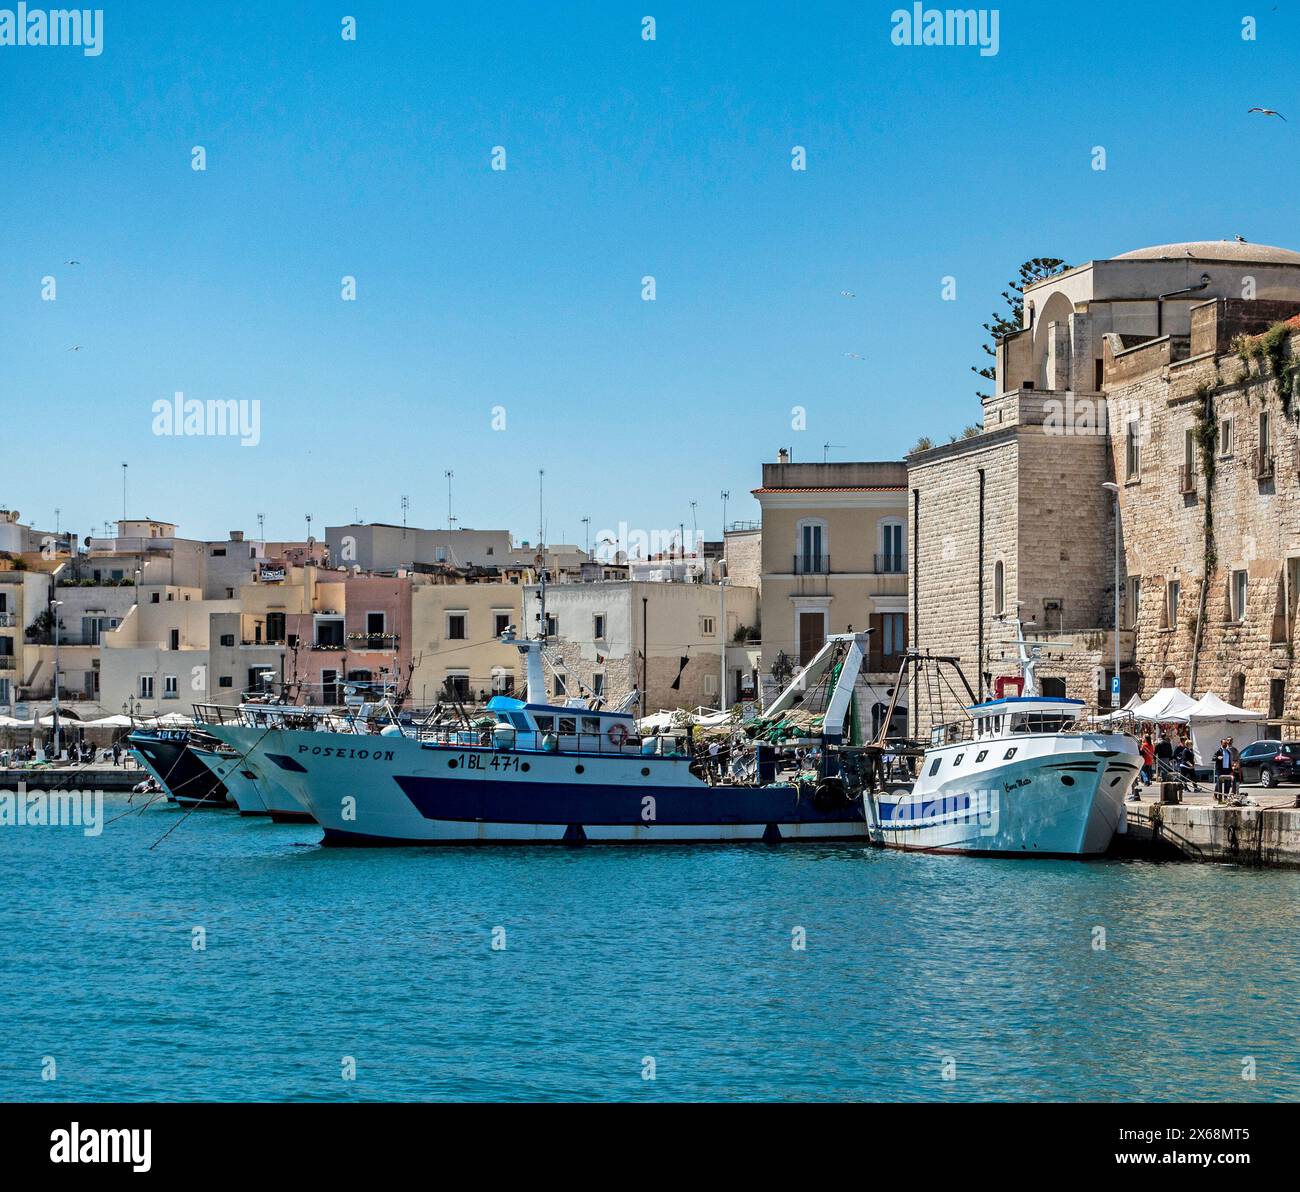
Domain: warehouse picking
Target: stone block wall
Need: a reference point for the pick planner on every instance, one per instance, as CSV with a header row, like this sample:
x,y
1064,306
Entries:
x,y
1255,524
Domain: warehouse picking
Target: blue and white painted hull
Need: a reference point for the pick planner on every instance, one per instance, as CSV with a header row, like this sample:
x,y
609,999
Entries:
x,y
253,785
396,790
239,781
1058,796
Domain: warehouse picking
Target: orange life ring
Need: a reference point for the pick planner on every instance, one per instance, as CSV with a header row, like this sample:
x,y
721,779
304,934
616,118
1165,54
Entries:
x,y
617,733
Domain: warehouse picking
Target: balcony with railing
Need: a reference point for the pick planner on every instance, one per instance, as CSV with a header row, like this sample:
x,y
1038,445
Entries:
x,y
890,563
1262,462
373,641
812,564
8,620
66,637
8,662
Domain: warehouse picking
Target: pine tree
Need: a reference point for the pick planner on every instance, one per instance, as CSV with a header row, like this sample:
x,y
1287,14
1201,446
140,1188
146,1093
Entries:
x,y
1009,320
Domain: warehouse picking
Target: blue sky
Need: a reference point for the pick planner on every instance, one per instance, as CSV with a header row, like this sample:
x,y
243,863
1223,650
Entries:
x,y
522,288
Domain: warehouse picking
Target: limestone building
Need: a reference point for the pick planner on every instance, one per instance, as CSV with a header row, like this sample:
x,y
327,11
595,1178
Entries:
x,y
1100,386
1207,454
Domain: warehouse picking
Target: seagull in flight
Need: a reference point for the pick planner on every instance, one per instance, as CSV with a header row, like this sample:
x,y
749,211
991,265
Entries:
x,y
72,262
847,294
1268,112
76,349
854,356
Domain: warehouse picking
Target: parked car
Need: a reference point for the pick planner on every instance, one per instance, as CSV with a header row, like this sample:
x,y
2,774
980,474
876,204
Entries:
x,y
1271,762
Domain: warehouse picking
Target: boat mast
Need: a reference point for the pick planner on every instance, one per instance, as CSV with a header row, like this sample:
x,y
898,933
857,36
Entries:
x,y
1028,658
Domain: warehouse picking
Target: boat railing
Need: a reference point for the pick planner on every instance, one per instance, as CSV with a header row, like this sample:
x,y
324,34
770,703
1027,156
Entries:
x,y
284,716
513,740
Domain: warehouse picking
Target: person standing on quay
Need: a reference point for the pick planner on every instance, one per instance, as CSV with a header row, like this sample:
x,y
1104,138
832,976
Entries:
x,y
1148,752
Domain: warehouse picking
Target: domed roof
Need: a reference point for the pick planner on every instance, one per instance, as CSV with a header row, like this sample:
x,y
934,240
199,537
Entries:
x,y
1213,250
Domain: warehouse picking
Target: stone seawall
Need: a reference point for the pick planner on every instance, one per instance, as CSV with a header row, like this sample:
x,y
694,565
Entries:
x,y
103,778
1266,836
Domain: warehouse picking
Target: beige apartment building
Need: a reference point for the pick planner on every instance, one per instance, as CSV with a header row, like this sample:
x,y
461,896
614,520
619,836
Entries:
x,y
834,559
455,647
379,546
670,640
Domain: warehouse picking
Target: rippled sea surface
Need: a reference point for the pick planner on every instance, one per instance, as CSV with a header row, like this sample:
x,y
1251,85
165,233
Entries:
x,y
921,978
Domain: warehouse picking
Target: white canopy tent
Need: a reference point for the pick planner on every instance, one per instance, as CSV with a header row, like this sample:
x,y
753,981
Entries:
x,y
1211,719
1169,705
1124,713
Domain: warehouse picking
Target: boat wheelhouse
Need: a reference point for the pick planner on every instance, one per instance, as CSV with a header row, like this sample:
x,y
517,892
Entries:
x,y
1015,715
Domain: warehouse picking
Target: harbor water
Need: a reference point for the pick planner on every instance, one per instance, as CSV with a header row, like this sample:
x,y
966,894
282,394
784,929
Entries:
x,y
237,960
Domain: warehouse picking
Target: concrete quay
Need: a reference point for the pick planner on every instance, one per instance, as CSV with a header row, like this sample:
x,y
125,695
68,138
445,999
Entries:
x,y
1199,829
75,777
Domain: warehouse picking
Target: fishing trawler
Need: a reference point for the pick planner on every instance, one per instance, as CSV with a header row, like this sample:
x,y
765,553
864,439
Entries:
x,y
235,775
166,754
1025,775
559,773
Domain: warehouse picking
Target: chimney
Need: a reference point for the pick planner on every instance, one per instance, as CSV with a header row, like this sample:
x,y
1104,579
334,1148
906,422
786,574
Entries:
x,y
236,535
783,456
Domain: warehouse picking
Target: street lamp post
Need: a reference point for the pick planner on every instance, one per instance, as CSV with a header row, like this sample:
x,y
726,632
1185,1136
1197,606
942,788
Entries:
x,y
1115,688
722,642
58,734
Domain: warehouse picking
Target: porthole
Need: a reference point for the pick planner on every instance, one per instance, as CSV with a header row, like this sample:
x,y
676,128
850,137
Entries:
x,y
645,771
451,765
1010,753
524,766
979,757
1066,780
957,759
577,769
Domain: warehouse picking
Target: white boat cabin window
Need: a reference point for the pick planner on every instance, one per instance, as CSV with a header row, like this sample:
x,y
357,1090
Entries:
x,y
1040,722
979,757
1010,753
591,724
545,723
568,726
934,768
957,760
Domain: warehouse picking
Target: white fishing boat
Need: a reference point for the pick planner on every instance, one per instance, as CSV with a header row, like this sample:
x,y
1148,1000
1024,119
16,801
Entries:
x,y
1023,775
236,775
560,773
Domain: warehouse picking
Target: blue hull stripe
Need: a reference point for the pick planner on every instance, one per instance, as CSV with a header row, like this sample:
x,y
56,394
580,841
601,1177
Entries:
x,y
488,801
